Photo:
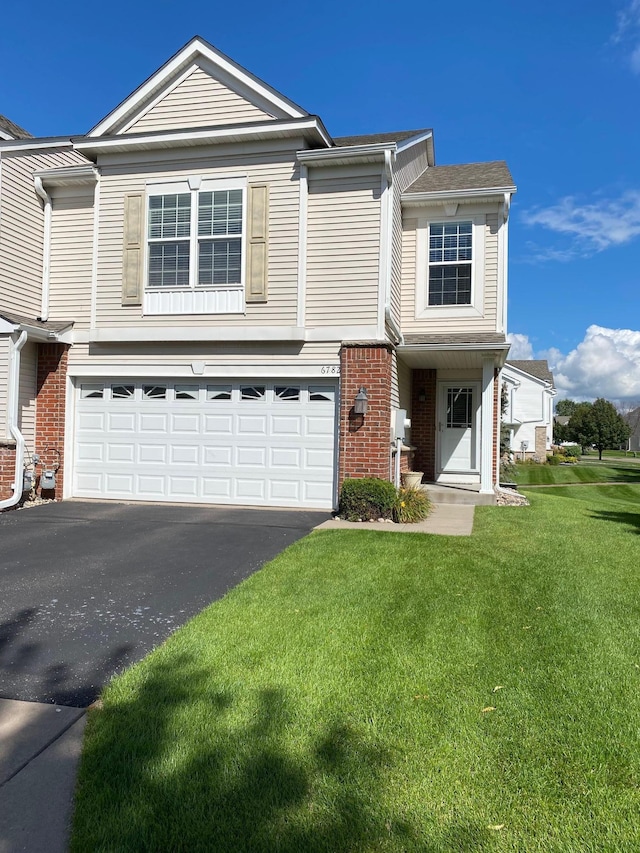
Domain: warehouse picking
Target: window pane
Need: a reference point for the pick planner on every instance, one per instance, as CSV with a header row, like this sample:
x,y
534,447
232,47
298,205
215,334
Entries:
x,y
319,393
218,392
169,264
170,216
187,392
286,392
220,213
450,285
450,241
154,392
91,391
459,408
252,392
122,392
220,261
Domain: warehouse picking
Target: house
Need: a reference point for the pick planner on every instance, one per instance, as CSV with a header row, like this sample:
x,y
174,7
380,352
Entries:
x,y
194,292
529,391
633,419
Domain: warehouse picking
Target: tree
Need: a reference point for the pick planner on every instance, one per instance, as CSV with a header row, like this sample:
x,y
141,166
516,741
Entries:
x,y
566,407
599,424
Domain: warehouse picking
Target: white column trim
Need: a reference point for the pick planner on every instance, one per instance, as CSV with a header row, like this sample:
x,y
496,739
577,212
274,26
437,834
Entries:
x,y
69,437
302,245
94,254
486,427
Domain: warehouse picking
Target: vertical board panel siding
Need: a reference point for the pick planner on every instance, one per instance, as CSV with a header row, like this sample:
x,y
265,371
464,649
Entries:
x,y
71,257
198,101
343,249
22,232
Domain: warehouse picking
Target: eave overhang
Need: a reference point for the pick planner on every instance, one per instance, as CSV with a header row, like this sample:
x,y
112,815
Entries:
x,y
347,155
311,128
67,176
474,196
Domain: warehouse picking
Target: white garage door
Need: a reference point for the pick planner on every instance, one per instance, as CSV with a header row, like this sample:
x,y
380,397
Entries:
x,y
243,442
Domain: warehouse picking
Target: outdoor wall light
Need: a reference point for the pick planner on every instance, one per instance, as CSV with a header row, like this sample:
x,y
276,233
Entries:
x,y
361,405
422,395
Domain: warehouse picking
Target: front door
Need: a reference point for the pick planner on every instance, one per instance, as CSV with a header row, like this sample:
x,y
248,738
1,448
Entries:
x,y
457,427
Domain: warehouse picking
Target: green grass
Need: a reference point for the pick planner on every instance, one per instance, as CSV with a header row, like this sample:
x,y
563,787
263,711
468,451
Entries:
x,y
337,700
585,471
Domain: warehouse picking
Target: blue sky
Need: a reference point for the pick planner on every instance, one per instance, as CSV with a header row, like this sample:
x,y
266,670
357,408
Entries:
x,y
553,88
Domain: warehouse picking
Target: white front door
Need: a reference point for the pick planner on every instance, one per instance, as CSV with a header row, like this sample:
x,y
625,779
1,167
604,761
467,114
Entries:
x,y
457,427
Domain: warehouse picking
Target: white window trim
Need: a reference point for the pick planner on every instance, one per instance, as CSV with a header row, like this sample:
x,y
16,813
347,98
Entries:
x,y
194,185
475,309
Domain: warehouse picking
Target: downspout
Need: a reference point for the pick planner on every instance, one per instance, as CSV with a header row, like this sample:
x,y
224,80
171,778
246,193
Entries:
x,y
12,417
46,249
388,171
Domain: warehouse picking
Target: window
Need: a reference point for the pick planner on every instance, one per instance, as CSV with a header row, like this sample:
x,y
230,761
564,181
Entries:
x,y
218,392
286,392
91,391
122,392
187,392
459,408
252,392
154,392
195,236
450,259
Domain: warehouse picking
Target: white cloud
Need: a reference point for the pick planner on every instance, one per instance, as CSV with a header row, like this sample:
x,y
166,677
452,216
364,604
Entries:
x,y
520,347
591,226
606,363
627,33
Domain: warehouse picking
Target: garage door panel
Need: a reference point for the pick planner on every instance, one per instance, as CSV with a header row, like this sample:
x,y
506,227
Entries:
x,y
217,446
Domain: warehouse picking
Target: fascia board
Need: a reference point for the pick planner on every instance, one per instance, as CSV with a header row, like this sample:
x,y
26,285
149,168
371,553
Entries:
x,y
206,136
7,328
35,144
64,175
414,140
188,54
418,348
454,195
346,154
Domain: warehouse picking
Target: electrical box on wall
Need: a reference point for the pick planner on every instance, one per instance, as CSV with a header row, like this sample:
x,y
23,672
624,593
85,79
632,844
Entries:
x,y
402,423
27,480
48,480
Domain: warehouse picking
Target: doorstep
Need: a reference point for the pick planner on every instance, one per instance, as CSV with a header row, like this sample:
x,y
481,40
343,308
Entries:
x,y
443,520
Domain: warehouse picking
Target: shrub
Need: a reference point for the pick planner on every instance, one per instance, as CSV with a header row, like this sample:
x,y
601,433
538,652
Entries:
x,y
411,505
572,450
555,460
366,498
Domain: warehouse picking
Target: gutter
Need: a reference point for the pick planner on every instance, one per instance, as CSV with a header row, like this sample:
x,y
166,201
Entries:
x,y
12,417
46,249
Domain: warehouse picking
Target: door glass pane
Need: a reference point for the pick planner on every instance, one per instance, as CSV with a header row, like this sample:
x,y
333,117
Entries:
x,y
459,408
187,392
122,392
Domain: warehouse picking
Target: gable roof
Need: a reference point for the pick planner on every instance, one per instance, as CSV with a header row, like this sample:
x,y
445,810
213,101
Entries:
x,y
468,176
11,130
230,72
534,367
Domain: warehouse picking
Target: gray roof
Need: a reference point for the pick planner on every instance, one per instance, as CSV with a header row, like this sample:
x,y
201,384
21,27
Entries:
x,y
481,338
469,176
538,368
13,129
373,138
22,320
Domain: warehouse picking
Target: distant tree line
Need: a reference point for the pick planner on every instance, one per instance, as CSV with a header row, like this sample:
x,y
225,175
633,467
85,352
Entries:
x,y
597,424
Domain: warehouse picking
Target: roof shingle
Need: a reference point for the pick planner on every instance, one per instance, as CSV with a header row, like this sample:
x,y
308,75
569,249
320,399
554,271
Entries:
x,y
468,176
14,130
377,138
534,367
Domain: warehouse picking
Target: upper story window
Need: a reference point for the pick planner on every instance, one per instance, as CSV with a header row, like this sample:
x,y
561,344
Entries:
x,y
195,238
450,259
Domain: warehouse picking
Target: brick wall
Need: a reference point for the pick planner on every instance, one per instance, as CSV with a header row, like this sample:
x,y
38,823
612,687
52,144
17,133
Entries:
x,y
50,410
540,453
365,440
424,390
7,469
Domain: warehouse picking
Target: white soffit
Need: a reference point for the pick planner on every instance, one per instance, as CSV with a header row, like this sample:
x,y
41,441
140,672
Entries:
x,y
225,69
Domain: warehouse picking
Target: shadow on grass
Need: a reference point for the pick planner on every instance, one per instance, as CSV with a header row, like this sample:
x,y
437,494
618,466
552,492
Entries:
x,y
630,520
175,767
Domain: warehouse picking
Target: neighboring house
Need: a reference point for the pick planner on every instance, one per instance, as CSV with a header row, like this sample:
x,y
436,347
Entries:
x,y
193,294
529,390
633,419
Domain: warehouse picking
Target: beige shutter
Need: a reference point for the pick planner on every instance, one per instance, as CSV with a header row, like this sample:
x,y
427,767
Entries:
x,y
132,250
257,243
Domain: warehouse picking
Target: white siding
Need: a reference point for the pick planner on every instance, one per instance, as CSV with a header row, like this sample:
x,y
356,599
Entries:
x,y
277,169
176,359
5,342
27,397
198,101
343,249
22,227
439,324
529,403
71,256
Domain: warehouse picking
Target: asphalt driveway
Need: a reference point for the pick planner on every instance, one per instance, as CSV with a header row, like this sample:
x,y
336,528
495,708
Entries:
x,y
89,588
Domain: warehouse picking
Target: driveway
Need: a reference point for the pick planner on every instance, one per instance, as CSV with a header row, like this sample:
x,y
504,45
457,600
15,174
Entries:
x,y
89,588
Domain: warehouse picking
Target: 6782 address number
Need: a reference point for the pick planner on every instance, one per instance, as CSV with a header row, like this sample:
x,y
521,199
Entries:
x,y
330,370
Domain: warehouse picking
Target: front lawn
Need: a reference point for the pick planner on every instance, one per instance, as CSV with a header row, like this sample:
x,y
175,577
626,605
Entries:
x,y
385,692
585,471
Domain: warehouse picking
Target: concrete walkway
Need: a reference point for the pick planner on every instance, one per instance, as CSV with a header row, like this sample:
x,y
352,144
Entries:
x,y
39,751
444,519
